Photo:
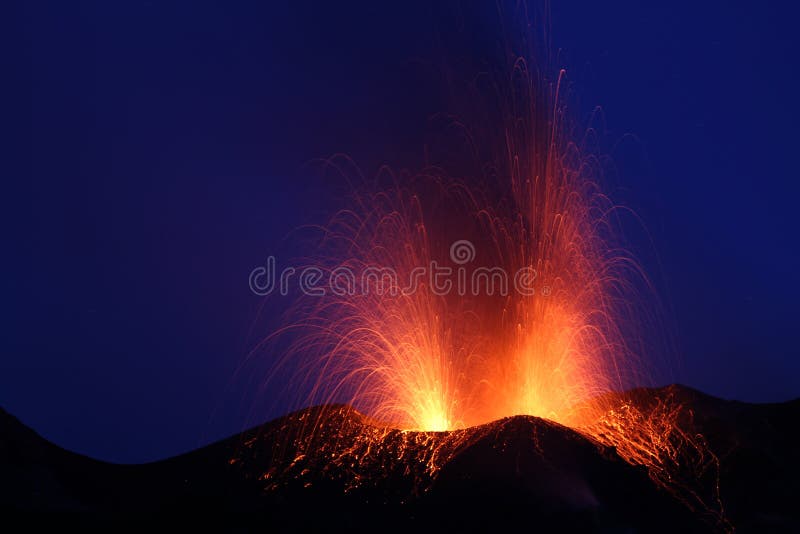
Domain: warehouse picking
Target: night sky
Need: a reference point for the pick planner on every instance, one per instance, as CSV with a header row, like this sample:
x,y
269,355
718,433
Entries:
x,y
163,154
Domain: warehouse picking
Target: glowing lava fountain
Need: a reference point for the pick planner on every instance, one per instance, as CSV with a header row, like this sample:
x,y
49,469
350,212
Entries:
x,y
451,302
492,283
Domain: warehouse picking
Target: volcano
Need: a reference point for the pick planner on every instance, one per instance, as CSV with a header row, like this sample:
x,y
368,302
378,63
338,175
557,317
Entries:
x,y
330,467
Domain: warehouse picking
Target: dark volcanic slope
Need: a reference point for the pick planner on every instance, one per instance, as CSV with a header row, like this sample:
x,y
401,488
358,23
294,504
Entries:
x,y
757,446
520,471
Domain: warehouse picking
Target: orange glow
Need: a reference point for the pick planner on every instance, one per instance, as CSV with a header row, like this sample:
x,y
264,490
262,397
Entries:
x,y
426,359
432,360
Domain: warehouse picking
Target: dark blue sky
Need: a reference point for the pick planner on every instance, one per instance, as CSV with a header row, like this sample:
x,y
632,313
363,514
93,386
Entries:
x,y
161,157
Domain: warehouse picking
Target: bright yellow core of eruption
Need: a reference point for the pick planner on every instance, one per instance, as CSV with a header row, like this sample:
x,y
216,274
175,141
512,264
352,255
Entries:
x,y
547,368
428,411
435,421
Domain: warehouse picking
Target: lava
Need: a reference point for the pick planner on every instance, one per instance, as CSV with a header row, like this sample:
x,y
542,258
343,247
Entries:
x,y
433,354
419,352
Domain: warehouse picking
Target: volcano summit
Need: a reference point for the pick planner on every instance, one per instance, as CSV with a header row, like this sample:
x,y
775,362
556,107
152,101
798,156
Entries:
x,y
331,465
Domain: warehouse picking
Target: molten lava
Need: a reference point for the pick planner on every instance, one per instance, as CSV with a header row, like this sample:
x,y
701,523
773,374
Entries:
x,y
422,353
397,346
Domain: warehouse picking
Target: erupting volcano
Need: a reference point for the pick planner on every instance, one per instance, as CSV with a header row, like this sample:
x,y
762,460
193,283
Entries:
x,y
502,288
454,302
474,342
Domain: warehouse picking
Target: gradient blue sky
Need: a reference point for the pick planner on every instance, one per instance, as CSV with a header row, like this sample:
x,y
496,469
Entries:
x,y
159,158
